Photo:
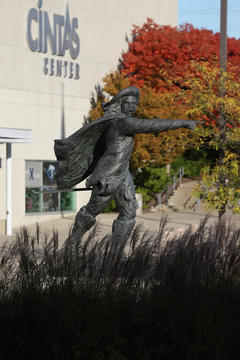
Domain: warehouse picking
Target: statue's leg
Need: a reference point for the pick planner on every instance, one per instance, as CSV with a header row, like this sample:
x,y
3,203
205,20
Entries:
x,y
127,204
83,222
86,216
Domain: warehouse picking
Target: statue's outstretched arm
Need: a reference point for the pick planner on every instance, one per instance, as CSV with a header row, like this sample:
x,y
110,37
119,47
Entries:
x,y
130,125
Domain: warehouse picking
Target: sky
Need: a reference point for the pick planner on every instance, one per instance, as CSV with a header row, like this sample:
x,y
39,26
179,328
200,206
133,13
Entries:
x,y
206,14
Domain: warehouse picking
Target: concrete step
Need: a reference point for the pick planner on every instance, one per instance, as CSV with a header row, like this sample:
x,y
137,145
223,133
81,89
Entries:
x,y
183,199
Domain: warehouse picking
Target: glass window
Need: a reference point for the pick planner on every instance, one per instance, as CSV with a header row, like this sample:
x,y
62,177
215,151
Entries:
x,y
33,200
33,174
50,201
41,189
49,172
67,201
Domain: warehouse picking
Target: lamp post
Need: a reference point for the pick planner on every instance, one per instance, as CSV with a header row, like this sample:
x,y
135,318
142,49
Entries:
x,y
223,62
223,35
223,50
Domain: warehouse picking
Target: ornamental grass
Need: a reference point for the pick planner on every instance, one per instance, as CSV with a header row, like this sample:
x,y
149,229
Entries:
x,y
154,296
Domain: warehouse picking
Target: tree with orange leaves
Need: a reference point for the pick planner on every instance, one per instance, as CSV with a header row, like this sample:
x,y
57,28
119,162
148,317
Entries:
x,y
158,54
158,61
177,73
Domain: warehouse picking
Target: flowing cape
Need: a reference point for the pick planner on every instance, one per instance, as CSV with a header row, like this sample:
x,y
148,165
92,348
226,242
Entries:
x,y
79,153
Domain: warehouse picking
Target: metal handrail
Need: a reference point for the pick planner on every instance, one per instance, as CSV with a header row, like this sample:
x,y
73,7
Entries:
x,y
171,187
197,202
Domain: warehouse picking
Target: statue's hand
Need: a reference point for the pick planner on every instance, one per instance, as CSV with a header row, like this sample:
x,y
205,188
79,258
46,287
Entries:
x,y
192,124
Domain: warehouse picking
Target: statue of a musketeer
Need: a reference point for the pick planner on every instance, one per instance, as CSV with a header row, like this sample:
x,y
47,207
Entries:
x,y
100,152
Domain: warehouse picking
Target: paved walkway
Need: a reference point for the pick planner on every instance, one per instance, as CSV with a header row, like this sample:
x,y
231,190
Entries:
x,y
177,221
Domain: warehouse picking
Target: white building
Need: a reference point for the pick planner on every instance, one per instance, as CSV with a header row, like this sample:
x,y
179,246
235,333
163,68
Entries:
x,y
53,53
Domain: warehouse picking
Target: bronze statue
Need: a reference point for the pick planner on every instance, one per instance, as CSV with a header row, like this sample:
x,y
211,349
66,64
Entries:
x,y
100,151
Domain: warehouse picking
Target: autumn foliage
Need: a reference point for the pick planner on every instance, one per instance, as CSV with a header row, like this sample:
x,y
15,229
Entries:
x,y
161,62
161,53
177,72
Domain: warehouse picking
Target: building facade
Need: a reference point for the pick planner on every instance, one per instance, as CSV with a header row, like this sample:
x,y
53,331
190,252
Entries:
x,y
53,53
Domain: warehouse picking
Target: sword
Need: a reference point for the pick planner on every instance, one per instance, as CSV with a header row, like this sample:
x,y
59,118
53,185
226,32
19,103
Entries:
x,y
50,191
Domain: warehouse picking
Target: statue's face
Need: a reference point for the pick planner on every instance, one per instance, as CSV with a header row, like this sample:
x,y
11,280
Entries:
x,y
129,105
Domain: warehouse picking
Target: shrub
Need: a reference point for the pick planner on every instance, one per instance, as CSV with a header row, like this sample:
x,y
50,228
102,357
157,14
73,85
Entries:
x,y
151,181
192,161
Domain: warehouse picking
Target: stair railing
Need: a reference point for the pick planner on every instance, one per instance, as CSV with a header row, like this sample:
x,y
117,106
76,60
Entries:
x,y
198,202
171,187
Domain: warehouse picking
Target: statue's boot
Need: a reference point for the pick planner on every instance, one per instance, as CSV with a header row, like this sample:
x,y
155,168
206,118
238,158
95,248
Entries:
x,y
121,230
83,222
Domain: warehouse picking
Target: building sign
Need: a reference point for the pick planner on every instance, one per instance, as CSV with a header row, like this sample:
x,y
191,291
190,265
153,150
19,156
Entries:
x,y
56,35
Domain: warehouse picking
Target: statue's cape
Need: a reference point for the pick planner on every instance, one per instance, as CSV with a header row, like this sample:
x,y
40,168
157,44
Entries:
x,y
79,153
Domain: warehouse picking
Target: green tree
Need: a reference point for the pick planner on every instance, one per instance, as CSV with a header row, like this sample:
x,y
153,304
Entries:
x,y
221,184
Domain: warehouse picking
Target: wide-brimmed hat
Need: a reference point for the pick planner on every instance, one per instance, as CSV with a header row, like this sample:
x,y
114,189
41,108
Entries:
x,y
129,91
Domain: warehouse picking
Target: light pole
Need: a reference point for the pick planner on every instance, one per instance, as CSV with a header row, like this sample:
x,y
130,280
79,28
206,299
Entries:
x,y
223,51
223,36
223,63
